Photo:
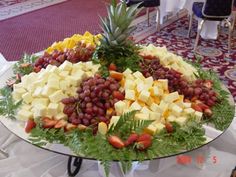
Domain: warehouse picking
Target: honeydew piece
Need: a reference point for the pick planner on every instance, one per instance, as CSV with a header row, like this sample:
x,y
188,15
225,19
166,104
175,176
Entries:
x,y
40,110
38,101
169,98
57,96
37,92
141,116
148,82
129,94
164,83
60,116
27,97
144,96
154,107
120,106
181,120
54,84
24,115
177,110
129,84
52,109
113,121
46,91
145,110
189,111
138,75
171,118
135,106
198,115
66,66
154,116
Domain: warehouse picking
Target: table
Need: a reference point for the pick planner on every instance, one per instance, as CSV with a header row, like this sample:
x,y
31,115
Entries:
x,y
27,160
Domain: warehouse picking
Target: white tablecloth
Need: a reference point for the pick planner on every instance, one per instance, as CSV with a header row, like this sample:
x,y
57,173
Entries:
x,y
26,160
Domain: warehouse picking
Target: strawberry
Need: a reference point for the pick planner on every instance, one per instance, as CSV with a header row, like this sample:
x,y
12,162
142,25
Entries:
x,y
48,123
116,75
196,107
30,124
116,142
112,67
118,95
169,127
61,123
203,106
70,126
144,141
208,112
131,139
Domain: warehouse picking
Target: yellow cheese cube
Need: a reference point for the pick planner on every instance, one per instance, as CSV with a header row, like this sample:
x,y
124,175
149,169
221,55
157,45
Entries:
x,y
57,96
130,94
154,116
151,129
164,83
150,101
27,97
154,107
169,98
144,96
156,91
159,126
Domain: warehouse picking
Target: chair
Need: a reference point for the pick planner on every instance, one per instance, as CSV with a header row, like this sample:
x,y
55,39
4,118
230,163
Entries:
x,y
147,4
212,10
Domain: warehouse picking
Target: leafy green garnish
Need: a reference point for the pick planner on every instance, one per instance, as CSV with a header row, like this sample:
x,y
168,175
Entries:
x,y
85,143
8,106
25,65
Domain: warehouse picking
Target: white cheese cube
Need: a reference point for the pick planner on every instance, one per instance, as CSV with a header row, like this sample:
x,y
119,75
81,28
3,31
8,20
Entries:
x,y
113,121
148,82
145,110
130,94
52,109
154,116
74,81
140,86
16,96
189,111
38,101
37,92
127,72
39,110
129,84
46,91
135,106
141,116
144,96
26,107
120,106
171,118
64,74
54,84
57,96
181,120
177,110
159,126
66,66
20,91
156,91
54,69
198,115
24,115
27,97
154,107
60,116
163,106
150,101
138,75
64,84
187,105
53,76
80,75
169,98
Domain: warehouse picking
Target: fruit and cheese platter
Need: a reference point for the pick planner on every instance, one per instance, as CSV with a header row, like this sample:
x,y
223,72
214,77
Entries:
x,y
104,97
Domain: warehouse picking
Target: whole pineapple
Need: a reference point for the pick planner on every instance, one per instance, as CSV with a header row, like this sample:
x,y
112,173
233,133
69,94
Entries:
x,y
116,47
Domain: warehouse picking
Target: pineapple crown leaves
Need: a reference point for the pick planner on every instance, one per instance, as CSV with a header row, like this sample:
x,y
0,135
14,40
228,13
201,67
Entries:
x,y
116,25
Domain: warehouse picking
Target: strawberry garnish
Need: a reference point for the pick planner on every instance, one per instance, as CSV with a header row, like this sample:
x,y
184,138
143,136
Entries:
x,y
131,139
60,124
144,141
196,107
116,142
169,127
30,124
48,123
112,67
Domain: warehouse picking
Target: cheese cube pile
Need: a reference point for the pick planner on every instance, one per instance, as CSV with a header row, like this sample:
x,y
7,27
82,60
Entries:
x,y
153,101
170,60
42,92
